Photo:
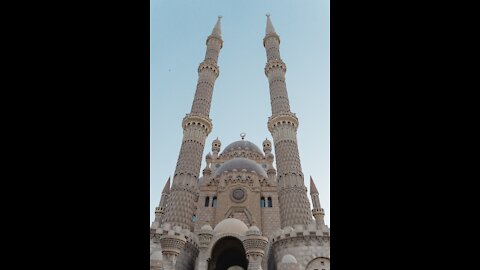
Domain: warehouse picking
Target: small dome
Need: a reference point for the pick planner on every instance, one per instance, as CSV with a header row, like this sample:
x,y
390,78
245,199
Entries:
x,y
289,259
206,227
231,225
254,230
240,164
208,156
270,156
242,144
267,142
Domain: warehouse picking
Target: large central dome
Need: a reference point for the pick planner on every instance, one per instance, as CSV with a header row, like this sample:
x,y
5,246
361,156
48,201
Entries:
x,y
243,145
239,164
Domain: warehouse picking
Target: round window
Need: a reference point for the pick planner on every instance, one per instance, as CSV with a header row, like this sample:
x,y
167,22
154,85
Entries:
x,y
238,195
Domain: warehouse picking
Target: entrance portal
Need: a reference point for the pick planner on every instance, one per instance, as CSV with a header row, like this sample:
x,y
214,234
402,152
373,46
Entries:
x,y
228,253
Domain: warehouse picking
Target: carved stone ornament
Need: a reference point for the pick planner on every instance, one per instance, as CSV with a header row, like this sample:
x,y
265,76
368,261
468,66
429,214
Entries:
x,y
238,195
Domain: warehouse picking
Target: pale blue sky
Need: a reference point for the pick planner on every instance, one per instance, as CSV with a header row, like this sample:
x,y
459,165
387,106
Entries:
x,y
241,101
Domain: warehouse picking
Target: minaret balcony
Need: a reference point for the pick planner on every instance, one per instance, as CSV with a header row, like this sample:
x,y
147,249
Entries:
x,y
282,119
197,120
275,64
209,65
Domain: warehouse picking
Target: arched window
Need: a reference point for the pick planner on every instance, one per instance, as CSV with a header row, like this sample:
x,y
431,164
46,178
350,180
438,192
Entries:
x,y
269,201
194,218
262,202
207,201
214,201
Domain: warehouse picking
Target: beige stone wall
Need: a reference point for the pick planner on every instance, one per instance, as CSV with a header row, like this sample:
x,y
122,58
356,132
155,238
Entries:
x,y
204,213
304,251
250,208
270,215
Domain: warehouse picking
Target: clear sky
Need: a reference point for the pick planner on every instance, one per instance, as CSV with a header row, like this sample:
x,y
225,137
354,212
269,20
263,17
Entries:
x,y
241,101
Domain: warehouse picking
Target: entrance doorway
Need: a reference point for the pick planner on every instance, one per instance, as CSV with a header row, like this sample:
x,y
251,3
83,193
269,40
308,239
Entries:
x,y
227,253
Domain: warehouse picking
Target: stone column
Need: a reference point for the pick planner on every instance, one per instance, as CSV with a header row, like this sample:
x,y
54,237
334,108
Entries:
x,y
255,245
172,245
205,236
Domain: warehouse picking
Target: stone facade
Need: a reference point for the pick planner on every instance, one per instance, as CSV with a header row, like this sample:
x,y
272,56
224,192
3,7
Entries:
x,y
241,213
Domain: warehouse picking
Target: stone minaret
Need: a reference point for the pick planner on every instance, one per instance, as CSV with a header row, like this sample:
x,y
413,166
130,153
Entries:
x,y
283,124
160,209
196,127
317,210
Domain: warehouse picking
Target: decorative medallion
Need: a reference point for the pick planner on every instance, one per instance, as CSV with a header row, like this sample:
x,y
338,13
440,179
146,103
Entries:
x,y
238,195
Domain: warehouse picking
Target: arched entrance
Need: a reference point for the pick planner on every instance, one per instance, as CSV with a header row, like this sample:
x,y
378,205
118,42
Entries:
x,y
226,253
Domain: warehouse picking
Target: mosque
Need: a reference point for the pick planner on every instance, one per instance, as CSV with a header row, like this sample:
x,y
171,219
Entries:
x,y
242,212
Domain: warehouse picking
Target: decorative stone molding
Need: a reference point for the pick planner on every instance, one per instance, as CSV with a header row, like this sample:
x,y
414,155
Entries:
x,y
275,64
271,35
219,39
227,178
205,238
209,65
299,236
238,194
255,246
198,120
282,119
172,244
246,153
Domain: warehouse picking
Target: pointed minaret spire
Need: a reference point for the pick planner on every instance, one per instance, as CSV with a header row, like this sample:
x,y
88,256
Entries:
x,y
166,189
313,188
160,209
270,28
317,211
217,29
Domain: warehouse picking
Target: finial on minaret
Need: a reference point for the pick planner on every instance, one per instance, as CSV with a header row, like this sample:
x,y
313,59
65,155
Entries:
x,y
243,134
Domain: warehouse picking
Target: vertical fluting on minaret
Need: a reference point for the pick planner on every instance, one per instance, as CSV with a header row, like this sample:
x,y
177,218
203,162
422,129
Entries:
x,y
283,124
196,127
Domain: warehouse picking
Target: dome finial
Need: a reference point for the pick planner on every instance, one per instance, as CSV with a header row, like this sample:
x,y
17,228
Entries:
x,y
220,16
268,14
243,134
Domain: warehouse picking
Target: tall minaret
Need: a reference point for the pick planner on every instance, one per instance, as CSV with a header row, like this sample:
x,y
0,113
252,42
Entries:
x,y
196,127
160,209
283,124
317,210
